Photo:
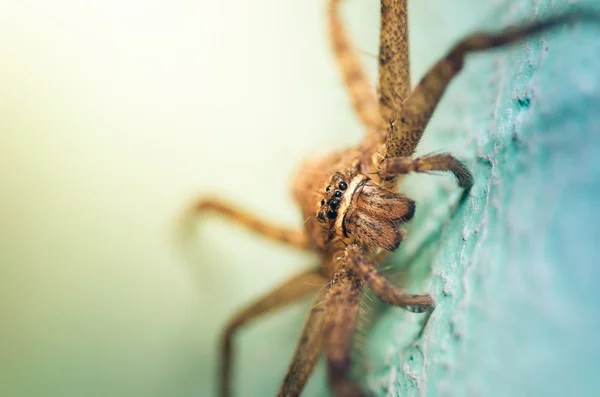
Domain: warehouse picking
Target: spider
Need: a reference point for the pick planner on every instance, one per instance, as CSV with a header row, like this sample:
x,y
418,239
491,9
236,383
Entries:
x,y
350,201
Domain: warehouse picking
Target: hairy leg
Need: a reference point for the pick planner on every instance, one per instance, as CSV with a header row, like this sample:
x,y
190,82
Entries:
x,y
358,262
362,95
394,74
394,166
297,238
307,350
289,292
407,125
338,327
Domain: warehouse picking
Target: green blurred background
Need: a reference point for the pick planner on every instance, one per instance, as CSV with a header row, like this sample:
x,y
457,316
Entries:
x,y
115,114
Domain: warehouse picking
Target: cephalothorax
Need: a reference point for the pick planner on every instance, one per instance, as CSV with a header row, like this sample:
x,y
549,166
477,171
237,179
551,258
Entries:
x,y
349,200
356,208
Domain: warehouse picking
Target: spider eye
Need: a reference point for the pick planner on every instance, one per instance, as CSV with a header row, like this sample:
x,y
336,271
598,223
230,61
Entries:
x,y
331,214
333,204
323,202
328,188
343,185
337,194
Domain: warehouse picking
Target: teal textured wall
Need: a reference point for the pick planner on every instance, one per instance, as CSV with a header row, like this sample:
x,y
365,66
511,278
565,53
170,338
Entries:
x,y
515,269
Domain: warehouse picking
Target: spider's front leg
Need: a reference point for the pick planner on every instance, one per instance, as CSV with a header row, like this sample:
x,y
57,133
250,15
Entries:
x,y
395,166
357,261
341,311
394,71
412,118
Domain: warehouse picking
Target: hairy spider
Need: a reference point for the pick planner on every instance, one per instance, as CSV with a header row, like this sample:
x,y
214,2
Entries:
x,y
349,200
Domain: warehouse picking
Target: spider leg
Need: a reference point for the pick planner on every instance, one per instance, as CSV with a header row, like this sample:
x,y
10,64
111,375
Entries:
x,y
362,95
342,304
296,238
292,290
307,350
407,125
394,74
358,262
394,166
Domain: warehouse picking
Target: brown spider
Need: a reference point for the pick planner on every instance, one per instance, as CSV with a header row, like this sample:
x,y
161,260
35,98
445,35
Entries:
x,y
353,213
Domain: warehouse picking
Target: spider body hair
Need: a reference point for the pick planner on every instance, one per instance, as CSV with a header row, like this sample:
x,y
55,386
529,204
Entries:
x,y
351,206
353,213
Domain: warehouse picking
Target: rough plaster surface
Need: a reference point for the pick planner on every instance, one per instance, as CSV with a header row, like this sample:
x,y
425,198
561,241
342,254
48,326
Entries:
x,y
515,269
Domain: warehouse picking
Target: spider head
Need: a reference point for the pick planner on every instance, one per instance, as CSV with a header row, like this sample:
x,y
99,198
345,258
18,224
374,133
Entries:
x,y
335,194
354,206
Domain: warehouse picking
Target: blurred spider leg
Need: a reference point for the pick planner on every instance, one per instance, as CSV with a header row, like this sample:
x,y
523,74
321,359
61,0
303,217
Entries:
x,y
296,238
356,260
407,125
291,291
307,350
394,74
362,95
342,305
394,166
